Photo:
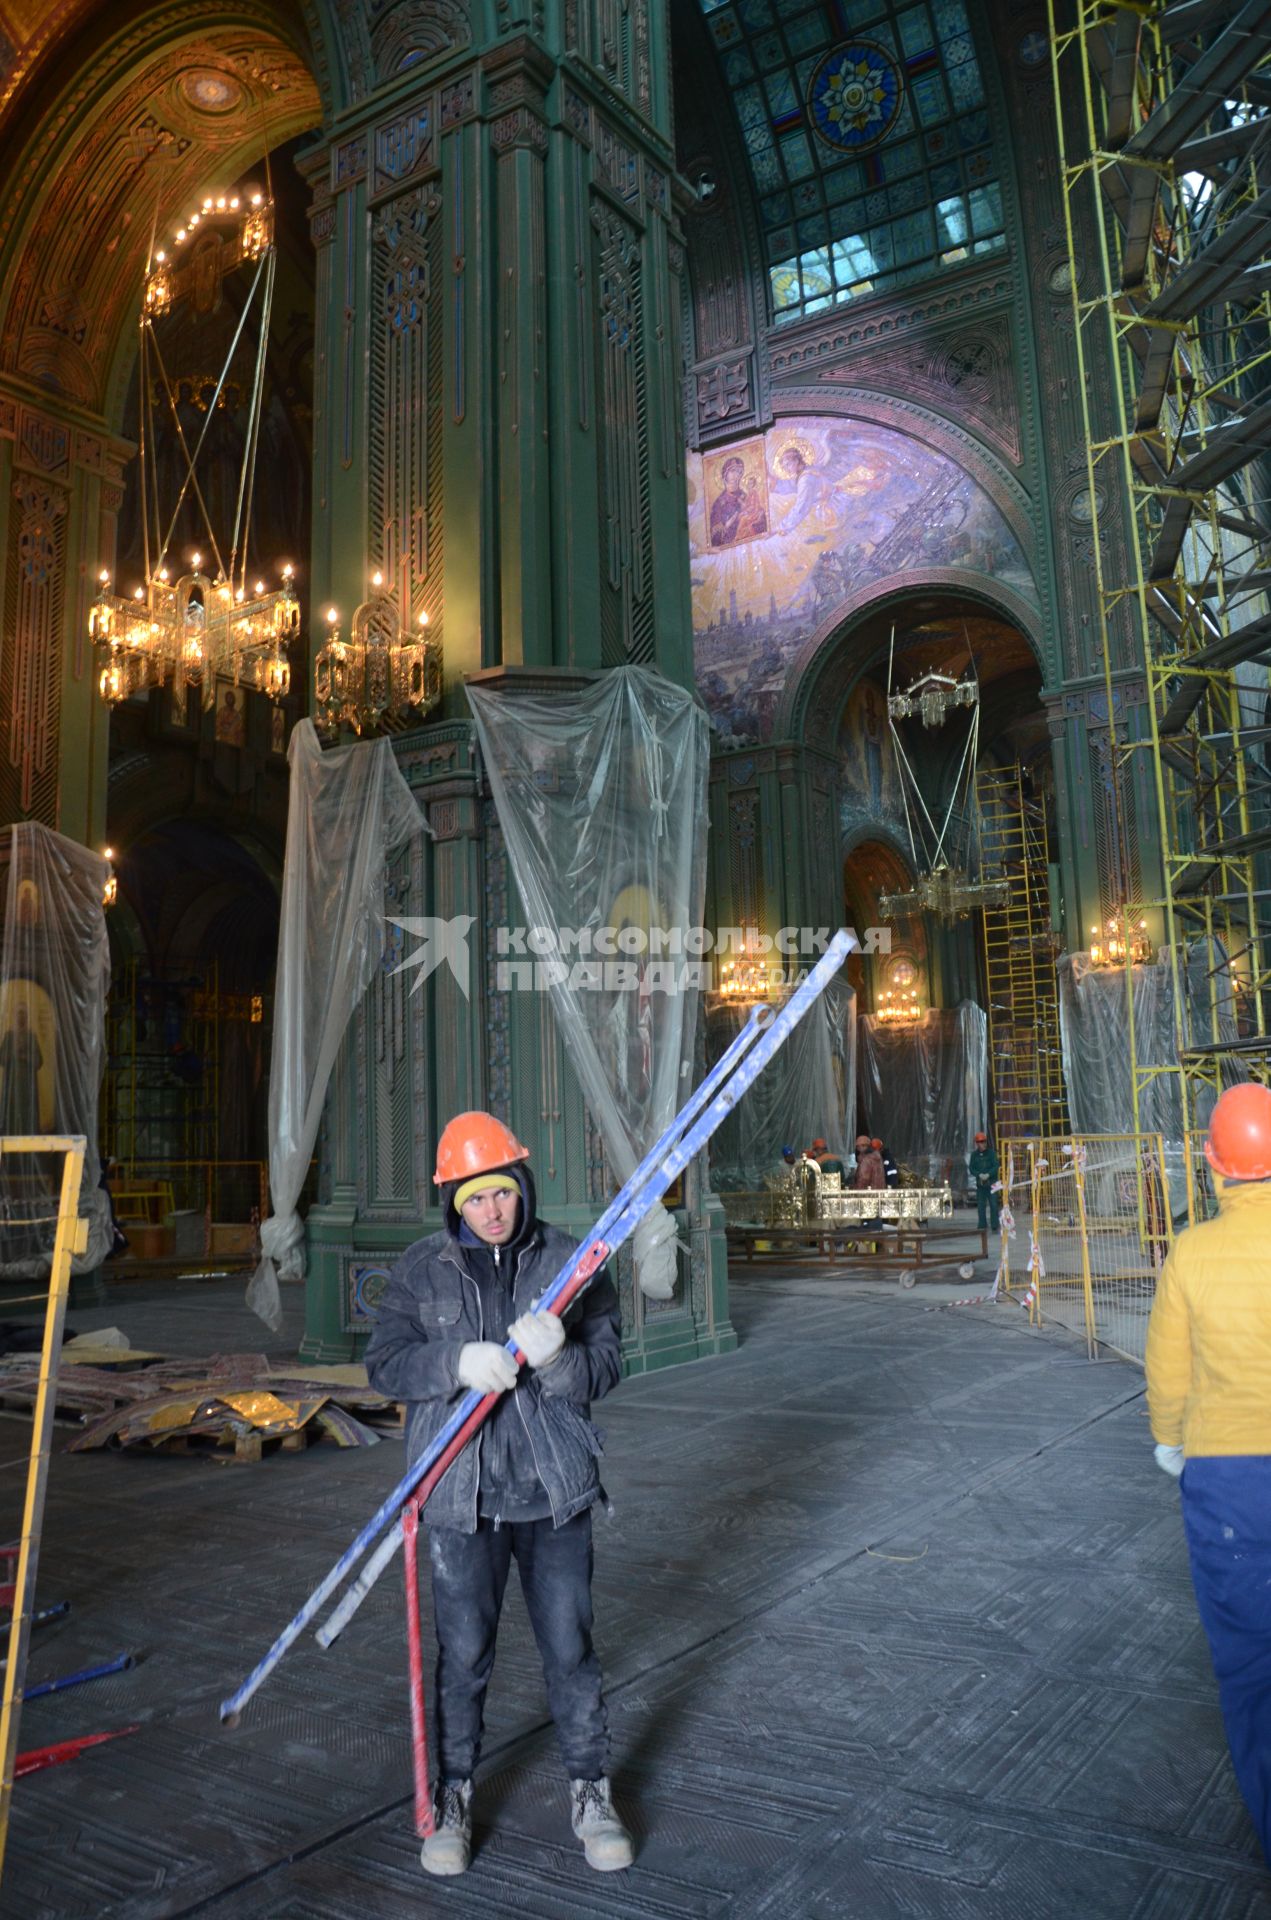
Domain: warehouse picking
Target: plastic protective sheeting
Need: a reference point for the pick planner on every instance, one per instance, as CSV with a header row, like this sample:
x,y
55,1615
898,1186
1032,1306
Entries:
x,y
347,809
807,1092
54,973
1094,1027
924,1086
601,795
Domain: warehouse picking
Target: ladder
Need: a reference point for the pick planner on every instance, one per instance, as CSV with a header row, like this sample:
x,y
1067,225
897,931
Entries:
x,y
1025,1060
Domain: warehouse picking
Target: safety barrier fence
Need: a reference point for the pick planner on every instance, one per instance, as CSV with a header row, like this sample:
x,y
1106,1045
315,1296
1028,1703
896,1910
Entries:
x,y
1087,1221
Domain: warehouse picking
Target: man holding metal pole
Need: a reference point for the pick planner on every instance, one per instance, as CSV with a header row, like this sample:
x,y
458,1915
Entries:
x,y
525,1488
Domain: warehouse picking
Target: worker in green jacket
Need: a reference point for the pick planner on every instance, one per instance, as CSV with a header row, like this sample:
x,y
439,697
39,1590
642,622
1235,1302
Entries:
x,y
984,1168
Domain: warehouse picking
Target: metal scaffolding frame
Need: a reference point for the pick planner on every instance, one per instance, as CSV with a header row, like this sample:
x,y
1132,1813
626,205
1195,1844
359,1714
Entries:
x,y
1164,122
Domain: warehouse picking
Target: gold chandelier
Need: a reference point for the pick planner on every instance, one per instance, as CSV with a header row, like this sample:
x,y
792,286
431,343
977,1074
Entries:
x,y
202,625
389,665
192,630
898,1003
947,892
1116,941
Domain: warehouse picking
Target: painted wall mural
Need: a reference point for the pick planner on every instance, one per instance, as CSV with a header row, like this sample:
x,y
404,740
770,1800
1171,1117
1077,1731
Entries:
x,y
788,527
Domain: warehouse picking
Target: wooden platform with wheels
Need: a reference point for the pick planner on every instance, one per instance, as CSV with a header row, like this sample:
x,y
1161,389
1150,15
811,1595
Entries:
x,y
893,1245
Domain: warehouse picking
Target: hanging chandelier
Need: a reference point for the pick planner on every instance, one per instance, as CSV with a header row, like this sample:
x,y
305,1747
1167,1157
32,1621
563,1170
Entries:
x,y
947,892
932,696
1117,941
388,666
190,630
896,1004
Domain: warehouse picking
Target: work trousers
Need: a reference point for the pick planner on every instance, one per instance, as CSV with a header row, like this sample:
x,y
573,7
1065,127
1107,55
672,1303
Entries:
x,y
987,1207
469,1575
1227,1518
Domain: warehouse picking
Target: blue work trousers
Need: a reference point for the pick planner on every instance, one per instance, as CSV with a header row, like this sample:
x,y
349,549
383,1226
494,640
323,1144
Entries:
x,y
1227,1518
469,1575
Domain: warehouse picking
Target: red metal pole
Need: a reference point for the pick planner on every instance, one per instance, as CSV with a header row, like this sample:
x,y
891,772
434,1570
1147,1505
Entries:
x,y
415,1659
37,1758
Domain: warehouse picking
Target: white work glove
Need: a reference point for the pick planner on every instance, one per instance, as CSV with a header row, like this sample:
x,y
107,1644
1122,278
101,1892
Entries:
x,y
540,1336
1169,1459
485,1367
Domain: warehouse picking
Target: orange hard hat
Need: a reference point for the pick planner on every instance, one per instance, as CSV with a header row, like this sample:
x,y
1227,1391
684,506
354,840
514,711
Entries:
x,y
1239,1143
877,1145
818,1145
981,1136
476,1143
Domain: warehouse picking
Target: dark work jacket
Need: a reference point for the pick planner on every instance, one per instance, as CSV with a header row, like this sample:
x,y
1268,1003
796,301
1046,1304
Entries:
x,y
432,1306
984,1166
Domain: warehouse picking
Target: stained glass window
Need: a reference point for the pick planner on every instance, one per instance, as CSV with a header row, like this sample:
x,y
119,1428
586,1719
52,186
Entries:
x,y
868,140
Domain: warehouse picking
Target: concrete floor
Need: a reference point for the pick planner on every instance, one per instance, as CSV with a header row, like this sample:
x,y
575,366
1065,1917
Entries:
x,y
894,1612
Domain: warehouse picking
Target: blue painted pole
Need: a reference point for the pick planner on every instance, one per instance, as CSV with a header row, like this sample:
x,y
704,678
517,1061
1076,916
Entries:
x,y
686,1136
124,1661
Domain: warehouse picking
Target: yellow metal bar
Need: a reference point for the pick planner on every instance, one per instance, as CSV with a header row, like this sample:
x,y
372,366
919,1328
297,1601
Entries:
x,y
71,1238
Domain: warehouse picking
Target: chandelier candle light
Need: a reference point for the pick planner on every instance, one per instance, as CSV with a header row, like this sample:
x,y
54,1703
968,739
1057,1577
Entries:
x,y
389,665
1116,942
202,624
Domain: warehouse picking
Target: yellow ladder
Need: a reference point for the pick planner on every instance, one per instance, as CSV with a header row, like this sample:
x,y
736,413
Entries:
x,y
1019,965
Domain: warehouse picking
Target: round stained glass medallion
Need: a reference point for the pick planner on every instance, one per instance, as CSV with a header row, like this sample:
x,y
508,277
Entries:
x,y
854,96
904,974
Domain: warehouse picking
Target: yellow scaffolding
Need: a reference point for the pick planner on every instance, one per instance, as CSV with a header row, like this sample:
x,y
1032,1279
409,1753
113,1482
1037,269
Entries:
x,y
1166,195
1019,960
71,1237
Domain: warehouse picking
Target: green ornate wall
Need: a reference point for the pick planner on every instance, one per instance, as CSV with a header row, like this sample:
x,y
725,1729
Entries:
x,y
497,371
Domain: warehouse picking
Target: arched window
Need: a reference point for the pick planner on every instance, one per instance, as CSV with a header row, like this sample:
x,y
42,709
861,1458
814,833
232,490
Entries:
x,y
868,138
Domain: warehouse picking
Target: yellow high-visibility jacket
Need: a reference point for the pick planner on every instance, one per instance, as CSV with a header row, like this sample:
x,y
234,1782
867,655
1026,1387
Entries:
x,y
1209,1337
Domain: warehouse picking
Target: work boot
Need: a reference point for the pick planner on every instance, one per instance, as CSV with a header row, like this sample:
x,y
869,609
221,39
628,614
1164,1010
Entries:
x,y
606,1842
449,1847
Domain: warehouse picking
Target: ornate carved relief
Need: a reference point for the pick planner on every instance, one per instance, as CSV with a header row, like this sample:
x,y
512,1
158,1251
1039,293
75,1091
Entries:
x,y
612,37
410,33
626,606
403,147
964,372
723,391
404,439
31,663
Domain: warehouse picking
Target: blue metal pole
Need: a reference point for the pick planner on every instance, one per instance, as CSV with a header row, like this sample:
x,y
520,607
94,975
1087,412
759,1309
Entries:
x,y
651,1179
77,1679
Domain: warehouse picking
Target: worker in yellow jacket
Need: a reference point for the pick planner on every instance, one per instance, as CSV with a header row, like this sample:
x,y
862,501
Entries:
x,y
1209,1399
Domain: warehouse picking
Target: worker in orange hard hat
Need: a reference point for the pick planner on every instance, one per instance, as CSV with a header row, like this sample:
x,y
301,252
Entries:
x,y
524,1488
827,1161
891,1172
984,1167
1209,1401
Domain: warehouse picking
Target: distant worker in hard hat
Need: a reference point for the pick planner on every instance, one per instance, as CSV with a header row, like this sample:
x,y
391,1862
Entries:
x,y
891,1172
827,1161
524,1488
869,1172
984,1168
1209,1402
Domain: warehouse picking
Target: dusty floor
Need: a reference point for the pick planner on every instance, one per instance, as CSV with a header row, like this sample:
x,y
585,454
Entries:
x,y
894,1612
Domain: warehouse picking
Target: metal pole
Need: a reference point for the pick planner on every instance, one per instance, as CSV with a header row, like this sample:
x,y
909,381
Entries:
x,y
71,1237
